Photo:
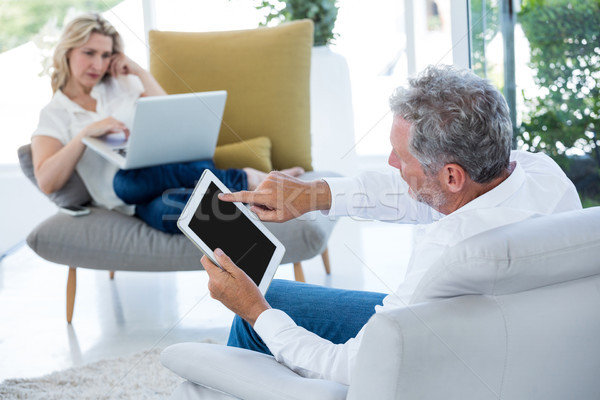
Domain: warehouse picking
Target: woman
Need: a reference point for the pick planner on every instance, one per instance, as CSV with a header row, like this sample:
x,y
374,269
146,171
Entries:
x,y
95,89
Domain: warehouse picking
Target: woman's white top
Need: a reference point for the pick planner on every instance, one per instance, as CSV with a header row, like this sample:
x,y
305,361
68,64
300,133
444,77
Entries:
x,y
63,119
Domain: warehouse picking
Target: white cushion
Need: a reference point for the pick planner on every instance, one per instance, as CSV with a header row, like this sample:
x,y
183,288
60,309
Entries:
x,y
190,391
245,374
517,257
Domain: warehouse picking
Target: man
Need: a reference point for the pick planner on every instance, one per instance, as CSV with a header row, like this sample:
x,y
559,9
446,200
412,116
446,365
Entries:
x,y
451,143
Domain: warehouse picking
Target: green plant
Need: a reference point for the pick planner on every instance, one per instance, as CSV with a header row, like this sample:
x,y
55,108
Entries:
x,y
322,12
22,20
564,37
565,55
587,202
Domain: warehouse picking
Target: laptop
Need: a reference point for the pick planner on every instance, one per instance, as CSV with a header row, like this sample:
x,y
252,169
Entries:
x,y
165,130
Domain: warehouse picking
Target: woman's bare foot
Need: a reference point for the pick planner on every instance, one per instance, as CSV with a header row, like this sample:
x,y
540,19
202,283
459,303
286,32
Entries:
x,y
255,177
294,171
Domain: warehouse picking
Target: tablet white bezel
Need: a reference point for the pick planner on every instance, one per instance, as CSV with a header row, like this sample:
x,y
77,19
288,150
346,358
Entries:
x,y
192,205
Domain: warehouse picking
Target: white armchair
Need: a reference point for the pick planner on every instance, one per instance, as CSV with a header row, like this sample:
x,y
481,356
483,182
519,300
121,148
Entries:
x,y
527,326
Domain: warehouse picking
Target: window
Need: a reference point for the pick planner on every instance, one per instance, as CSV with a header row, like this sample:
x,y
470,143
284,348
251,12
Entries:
x,y
205,16
385,41
29,31
545,56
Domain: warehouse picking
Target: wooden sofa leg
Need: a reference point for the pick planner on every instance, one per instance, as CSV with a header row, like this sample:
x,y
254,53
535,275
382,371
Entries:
x,y
112,275
298,273
71,285
325,257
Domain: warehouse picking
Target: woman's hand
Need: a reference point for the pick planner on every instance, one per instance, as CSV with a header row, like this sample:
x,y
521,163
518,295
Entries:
x,y
123,65
105,126
120,64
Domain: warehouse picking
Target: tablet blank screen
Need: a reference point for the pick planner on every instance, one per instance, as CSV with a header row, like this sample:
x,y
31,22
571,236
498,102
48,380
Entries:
x,y
221,224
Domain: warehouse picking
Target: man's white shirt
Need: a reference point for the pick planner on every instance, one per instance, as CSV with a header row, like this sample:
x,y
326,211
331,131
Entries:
x,y
536,186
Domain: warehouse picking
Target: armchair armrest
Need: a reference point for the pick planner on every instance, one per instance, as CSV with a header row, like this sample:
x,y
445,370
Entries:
x,y
245,374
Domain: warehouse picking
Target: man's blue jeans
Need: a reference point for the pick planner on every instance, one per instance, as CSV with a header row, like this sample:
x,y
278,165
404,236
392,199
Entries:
x,y
161,192
334,314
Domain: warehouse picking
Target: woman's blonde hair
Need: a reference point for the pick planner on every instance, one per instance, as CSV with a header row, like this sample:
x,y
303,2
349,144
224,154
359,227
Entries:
x,y
76,34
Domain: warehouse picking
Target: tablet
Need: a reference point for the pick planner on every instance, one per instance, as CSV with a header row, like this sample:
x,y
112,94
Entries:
x,y
211,223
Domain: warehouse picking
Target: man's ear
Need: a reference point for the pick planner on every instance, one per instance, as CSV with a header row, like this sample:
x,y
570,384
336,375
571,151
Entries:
x,y
454,177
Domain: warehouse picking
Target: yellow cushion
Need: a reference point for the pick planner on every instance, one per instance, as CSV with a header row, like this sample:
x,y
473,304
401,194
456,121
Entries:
x,y
266,72
254,153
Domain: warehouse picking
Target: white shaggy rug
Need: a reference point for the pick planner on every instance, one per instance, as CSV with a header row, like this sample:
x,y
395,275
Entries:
x,y
140,376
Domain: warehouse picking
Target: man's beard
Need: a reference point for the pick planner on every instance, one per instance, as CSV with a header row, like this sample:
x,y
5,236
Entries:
x,y
431,194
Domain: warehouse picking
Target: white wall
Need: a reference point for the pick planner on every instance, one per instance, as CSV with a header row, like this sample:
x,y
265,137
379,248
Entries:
x,y
22,207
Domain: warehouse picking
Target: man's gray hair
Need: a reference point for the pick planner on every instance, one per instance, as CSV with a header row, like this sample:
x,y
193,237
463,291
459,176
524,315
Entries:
x,y
456,117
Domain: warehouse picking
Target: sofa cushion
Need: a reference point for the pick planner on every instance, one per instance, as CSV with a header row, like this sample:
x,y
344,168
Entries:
x,y
73,193
254,153
245,374
266,73
110,240
522,256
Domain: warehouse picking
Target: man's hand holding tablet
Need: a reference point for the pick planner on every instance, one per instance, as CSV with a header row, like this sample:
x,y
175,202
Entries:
x,y
232,287
231,227
279,198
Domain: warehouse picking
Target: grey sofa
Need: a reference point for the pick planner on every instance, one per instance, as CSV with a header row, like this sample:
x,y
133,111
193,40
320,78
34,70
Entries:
x,y
109,240
525,325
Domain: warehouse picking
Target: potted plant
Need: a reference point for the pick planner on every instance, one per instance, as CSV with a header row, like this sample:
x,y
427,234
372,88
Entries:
x,y
323,13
